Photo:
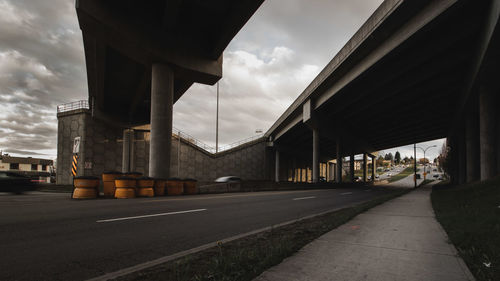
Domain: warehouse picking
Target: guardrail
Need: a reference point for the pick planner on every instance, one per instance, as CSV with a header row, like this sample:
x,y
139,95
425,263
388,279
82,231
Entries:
x,y
73,106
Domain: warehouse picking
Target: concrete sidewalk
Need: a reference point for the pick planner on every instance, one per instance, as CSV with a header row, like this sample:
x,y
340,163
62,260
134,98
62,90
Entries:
x,y
398,240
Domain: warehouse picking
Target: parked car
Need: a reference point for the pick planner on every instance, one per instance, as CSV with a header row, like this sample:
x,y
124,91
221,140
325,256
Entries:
x,y
15,183
436,175
357,179
322,179
228,179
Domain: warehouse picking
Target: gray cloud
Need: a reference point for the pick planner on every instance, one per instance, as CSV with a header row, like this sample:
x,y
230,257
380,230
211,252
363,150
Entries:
x,y
273,58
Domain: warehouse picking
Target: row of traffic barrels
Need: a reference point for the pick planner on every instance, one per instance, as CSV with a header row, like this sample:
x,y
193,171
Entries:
x,y
131,185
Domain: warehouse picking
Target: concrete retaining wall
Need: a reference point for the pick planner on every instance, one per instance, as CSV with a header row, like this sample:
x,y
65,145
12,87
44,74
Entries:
x,y
101,150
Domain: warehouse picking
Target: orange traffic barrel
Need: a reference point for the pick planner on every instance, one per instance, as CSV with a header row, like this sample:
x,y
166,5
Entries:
x,y
125,187
108,182
190,186
145,187
160,187
85,188
175,186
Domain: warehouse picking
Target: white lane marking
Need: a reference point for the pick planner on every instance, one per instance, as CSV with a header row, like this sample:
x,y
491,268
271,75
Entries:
x,y
368,190
304,198
153,215
346,193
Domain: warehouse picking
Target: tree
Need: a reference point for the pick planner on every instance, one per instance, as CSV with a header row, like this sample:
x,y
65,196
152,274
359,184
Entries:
x,y
389,157
380,161
406,160
397,157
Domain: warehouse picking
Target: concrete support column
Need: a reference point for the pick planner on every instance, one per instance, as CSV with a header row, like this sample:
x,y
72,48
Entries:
x,y
338,175
472,145
487,134
162,93
462,166
365,167
351,167
315,164
374,167
126,151
277,167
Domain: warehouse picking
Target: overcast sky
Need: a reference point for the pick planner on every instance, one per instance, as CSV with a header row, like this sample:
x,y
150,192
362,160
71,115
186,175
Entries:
x,y
266,66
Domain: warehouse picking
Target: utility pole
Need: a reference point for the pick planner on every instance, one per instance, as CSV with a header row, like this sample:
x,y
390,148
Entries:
x,y
217,122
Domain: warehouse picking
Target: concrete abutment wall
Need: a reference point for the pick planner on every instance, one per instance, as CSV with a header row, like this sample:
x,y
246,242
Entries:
x,y
102,150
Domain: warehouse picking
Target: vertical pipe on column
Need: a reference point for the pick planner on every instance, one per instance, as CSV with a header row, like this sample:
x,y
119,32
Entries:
x,y
315,164
162,92
415,165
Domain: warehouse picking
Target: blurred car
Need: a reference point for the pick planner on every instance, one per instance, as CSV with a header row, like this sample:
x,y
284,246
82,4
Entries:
x,y
228,179
322,179
436,175
389,174
357,179
377,176
15,183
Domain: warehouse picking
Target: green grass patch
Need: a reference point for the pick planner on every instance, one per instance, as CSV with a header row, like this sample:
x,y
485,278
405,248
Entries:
x,y
247,258
406,172
470,214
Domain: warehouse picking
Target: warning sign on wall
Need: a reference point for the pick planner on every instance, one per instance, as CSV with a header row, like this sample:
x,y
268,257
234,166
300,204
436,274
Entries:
x,y
76,145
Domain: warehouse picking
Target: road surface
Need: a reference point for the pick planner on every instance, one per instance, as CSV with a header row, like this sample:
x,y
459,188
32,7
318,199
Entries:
x,y
47,236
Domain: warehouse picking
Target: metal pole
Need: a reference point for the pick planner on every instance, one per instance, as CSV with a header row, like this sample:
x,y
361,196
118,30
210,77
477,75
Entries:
x,y
415,164
217,122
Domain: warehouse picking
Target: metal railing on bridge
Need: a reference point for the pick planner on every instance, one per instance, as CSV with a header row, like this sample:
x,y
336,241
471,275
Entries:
x,y
81,104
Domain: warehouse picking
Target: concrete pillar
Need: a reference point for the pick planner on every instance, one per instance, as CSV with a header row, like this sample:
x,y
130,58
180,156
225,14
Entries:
x,y
162,93
462,166
351,167
132,150
126,151
338,175
472,146
365,167
453,159
374,167
487,126
315,164
277,167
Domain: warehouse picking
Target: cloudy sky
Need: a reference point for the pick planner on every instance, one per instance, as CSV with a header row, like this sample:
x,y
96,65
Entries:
x,y
267,65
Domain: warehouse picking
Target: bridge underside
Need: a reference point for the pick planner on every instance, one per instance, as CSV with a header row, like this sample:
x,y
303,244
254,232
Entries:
x,y
418,89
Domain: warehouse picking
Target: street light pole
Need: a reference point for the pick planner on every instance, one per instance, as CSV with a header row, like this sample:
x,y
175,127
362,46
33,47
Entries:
x,y
424,150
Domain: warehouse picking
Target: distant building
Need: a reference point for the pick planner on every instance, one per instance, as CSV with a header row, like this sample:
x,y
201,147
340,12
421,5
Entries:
x,y
27,165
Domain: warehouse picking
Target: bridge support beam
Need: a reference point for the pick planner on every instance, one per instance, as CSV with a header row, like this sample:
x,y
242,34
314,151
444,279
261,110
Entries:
x,y
351,167
162,93
365,167
315,156
338,174
277,166
374,168
487,134
472,144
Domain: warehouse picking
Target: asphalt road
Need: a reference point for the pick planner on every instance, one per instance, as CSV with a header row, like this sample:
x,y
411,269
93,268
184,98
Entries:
x,y
47,236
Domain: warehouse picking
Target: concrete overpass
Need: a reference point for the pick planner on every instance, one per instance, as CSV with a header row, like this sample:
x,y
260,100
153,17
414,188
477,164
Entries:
x,y
142,56
415,71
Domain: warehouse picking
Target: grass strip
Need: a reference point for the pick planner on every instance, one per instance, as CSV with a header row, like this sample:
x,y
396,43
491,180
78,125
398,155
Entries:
x,y
470,214
247,258
406,172
426,181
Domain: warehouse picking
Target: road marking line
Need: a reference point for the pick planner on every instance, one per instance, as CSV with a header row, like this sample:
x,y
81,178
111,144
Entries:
x,y
346,193
304,198
153,215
